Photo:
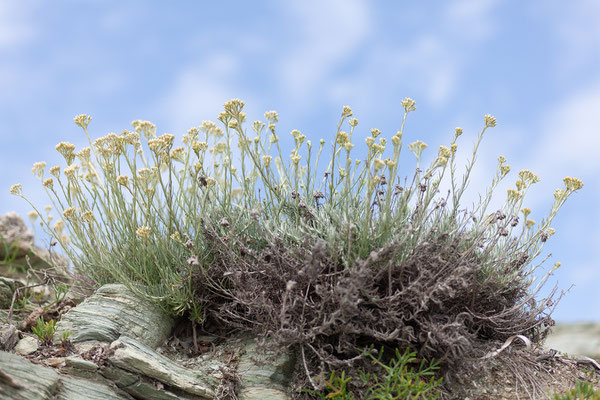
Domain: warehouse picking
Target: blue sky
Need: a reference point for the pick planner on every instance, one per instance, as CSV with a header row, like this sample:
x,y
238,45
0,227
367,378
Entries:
x,y
533,65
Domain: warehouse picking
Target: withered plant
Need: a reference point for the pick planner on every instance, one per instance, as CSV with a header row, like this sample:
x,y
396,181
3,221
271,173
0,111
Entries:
x,y
334,269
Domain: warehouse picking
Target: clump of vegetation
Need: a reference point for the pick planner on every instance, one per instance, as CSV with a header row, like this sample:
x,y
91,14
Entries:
x,y
326,267
582,391
44,330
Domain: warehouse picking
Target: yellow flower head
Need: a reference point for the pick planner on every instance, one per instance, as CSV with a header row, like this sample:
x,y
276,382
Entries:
x,y
69,214
55,171
16,189
490,121
66,149
375,132
573,183
346,112
178,154
71,171
49,183
342,138
123,180
266,160
513,194
443,151
353,122
453,147
408,104
417,148
528,176
370,140
38,169
272,117
88,217
504,169
143,231
529,223
32,215
82,120
457,132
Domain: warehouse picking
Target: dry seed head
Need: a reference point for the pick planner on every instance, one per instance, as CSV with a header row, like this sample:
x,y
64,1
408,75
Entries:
x,y
233,124
375,132
504,169
388,162
396,140
348,146
143,231
296,159
273,138
573,183
379,163
47,208
16,189
346,112
370,140
353,122
49,183
82,120
457,132
551,231
90,176
453,147
490,121
408,104
529,223
32,215
557,264
501,159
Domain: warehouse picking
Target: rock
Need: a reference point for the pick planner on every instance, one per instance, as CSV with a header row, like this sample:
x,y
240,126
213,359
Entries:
x,y
135,357
17,242
7,289
15,234
264,379
26,346
575,339
112,311
9,336
25,380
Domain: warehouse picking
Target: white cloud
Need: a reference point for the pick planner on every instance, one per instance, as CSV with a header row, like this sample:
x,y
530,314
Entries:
x,y
200,91
329,33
